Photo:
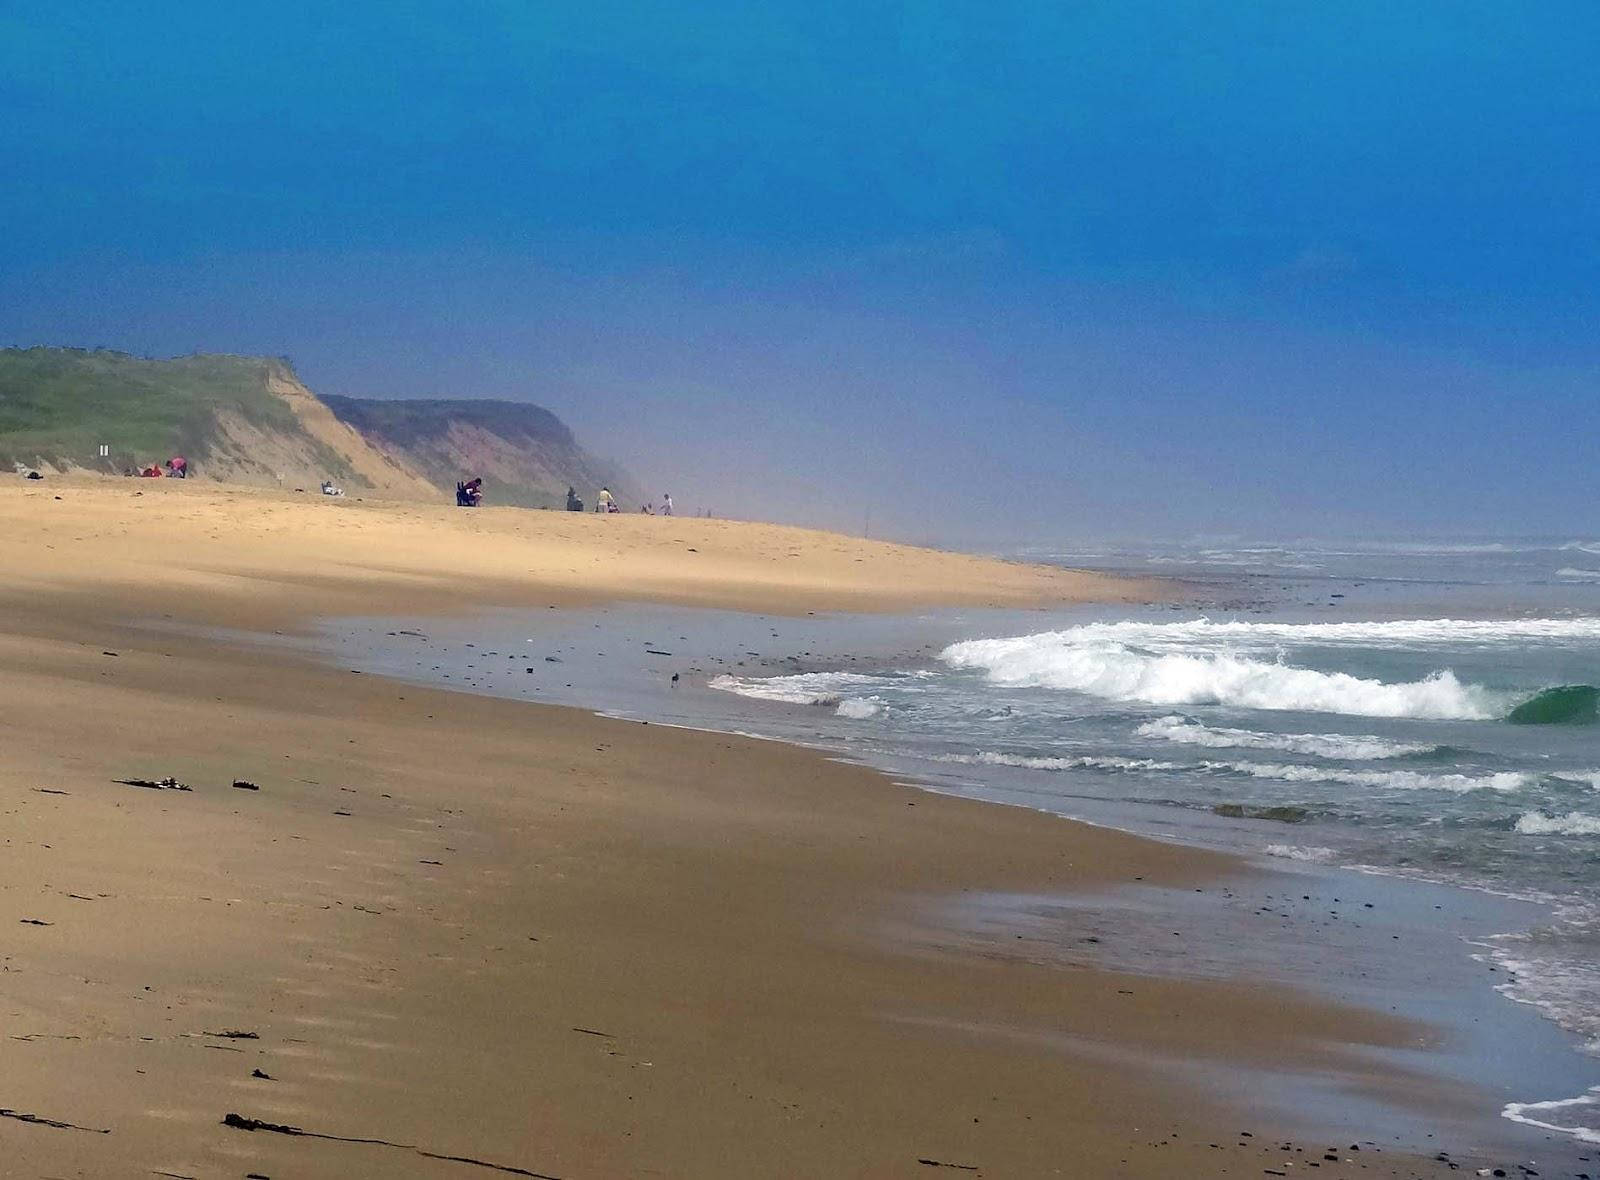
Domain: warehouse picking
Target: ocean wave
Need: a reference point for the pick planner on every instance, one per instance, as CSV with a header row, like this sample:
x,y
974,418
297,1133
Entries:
x,y
1118,672
1393,780
1397,780
1394,633
1574,823
1353,747
1240,663
1575,574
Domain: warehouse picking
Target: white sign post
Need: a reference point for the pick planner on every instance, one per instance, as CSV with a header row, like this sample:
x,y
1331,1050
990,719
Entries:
x,y
105,451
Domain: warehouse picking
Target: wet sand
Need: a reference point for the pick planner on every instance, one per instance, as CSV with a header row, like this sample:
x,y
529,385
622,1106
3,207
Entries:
x,y
467,936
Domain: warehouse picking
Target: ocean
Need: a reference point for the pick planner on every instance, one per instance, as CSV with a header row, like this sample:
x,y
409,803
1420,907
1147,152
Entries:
x,y
1401,708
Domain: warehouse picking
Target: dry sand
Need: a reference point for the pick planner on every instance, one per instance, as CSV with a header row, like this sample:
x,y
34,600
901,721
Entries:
x,y
521,935
219,553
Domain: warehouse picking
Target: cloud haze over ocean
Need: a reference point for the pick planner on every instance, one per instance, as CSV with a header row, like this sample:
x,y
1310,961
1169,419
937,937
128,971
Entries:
x,y
999,271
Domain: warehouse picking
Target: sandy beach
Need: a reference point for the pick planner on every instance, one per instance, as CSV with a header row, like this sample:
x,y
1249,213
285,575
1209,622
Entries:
x,y
446,935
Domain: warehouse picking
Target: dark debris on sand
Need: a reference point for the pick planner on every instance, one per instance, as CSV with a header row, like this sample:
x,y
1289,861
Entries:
x,y
241,1122
166,784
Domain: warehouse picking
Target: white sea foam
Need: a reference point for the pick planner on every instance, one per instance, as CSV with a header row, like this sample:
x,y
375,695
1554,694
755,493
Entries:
x,y
1575,574
1566,1116
1392,780
1241,663
1352,747
1559,979
1395,633
806,688
859,708
1551,968
1102,666
1574,823
1085,762
1311,853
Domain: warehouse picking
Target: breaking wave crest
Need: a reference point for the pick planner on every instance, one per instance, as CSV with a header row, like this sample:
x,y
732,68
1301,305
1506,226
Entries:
x,y
1228,664
1353,747
1400,633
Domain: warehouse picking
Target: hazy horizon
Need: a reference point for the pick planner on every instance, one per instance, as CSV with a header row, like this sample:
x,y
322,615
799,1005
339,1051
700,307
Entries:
x,y
997,274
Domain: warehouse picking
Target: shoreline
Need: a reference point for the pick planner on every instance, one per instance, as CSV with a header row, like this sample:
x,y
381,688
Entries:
x,y
534,936
1487,1040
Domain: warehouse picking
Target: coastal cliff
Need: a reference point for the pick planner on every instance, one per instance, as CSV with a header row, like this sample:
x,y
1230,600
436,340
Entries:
x,y
250,420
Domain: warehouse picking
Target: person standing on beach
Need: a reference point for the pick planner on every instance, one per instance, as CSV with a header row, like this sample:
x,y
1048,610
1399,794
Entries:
x,y
666,503
604,501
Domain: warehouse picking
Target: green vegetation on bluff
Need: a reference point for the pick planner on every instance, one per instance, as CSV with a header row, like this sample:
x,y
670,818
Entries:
x,y
57,405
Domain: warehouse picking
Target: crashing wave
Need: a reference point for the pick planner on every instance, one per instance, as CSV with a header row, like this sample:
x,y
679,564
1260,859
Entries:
x,y
1118,671
1394,633
1240,663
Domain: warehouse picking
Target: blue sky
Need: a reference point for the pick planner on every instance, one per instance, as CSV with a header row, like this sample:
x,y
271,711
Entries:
x,y
1004,271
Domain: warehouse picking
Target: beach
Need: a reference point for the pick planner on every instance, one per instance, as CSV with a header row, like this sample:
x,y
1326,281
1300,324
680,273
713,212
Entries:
x,y
460,934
